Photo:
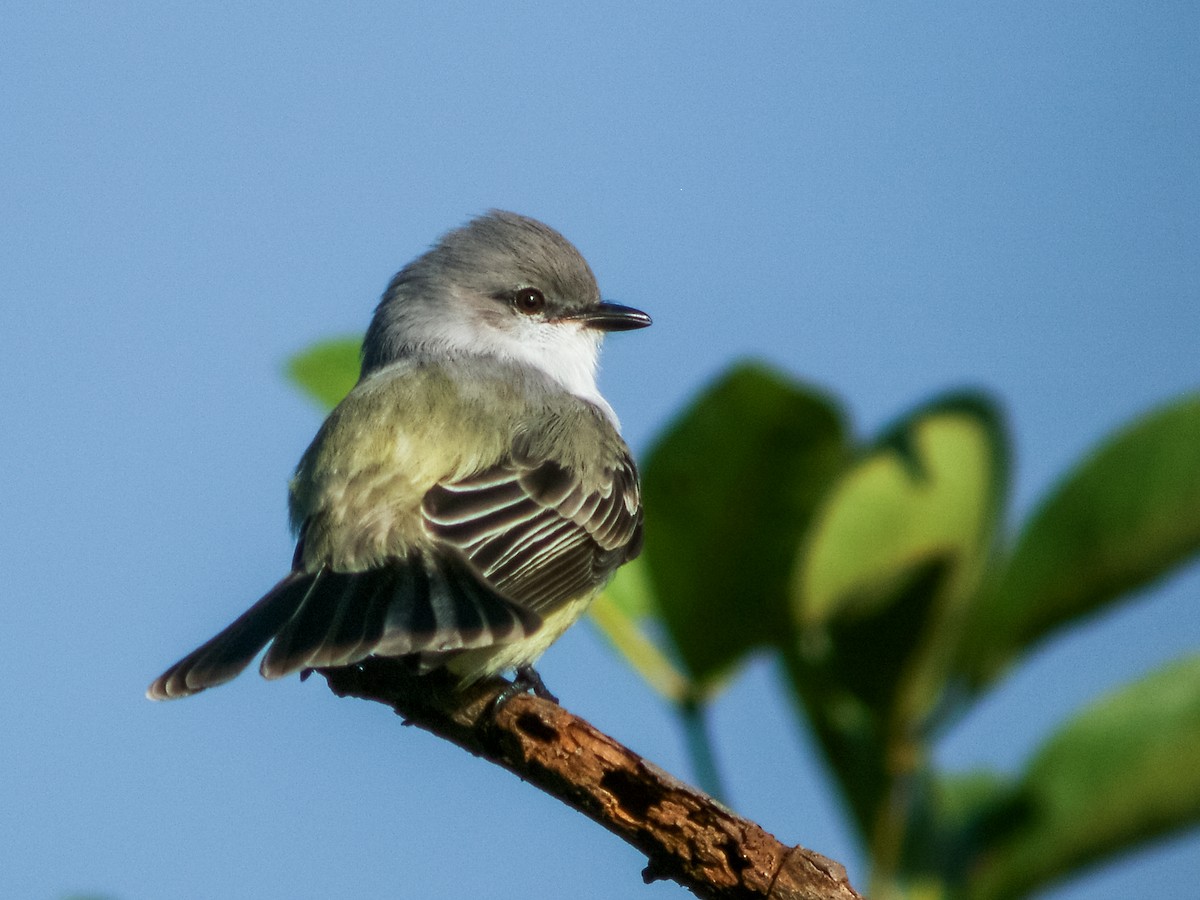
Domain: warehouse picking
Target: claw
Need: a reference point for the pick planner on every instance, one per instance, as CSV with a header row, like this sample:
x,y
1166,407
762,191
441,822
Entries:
x,y
527,680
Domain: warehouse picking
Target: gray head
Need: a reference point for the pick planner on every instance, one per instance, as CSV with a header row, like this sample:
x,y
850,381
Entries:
x,y
503,285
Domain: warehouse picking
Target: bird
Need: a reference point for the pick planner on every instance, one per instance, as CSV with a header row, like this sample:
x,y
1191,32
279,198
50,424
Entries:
x,y
472,494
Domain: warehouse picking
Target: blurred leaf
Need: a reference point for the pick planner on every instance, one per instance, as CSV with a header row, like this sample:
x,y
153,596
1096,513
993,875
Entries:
x,y
327,370
929,489
1122,519
868,656
895,554
1122,772
891,560
954,817
729,489
949,818
630,590
833,671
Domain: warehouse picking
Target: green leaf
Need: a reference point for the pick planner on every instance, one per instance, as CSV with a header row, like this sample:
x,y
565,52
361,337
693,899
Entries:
x,y
872,658
1122,519
896,553
327,370
630,590
930,489
1122,772
954,817
835,673
881,585
729,489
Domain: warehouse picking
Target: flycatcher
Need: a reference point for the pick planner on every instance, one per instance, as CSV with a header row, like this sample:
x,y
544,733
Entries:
x,y
472,494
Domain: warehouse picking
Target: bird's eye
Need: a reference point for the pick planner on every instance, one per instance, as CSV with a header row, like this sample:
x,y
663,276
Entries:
x,y
529,301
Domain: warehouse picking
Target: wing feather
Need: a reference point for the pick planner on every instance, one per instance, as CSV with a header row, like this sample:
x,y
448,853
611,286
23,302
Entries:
x,y
536,530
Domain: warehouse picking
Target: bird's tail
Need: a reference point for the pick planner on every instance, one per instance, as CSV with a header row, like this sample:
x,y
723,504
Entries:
x,y
321,619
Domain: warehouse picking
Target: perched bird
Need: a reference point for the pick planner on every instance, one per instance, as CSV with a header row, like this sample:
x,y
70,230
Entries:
x,y
472,494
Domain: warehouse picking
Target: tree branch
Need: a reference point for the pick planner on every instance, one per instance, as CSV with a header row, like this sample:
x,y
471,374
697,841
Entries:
x,y
686,835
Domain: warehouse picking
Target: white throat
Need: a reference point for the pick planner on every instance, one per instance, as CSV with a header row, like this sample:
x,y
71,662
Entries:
x,y
566,352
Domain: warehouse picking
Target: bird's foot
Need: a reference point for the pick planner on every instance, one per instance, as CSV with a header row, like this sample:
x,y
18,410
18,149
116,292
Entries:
x,y
530,680
527,681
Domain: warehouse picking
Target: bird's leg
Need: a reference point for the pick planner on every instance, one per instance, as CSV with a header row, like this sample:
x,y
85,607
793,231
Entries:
x,y
530,680
527,679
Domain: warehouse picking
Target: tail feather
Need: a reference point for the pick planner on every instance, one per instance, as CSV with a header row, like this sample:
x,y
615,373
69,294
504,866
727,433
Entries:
x,y
324,619
328,630
224,656
305,630
359,622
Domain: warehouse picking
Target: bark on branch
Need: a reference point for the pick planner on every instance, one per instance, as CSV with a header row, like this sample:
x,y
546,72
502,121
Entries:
x,y
686,835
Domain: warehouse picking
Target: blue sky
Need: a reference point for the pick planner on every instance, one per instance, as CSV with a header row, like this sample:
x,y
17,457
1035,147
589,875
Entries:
x,y
887,200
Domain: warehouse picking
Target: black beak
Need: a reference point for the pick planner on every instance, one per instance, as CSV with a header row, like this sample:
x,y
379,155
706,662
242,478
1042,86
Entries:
x,y
612,317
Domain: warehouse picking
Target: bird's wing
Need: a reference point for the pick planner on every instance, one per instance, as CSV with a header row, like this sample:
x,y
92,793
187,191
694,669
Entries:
x,y
536,531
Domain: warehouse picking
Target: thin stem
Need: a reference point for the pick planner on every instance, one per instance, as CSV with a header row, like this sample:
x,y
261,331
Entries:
x,y
692,713
640,652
